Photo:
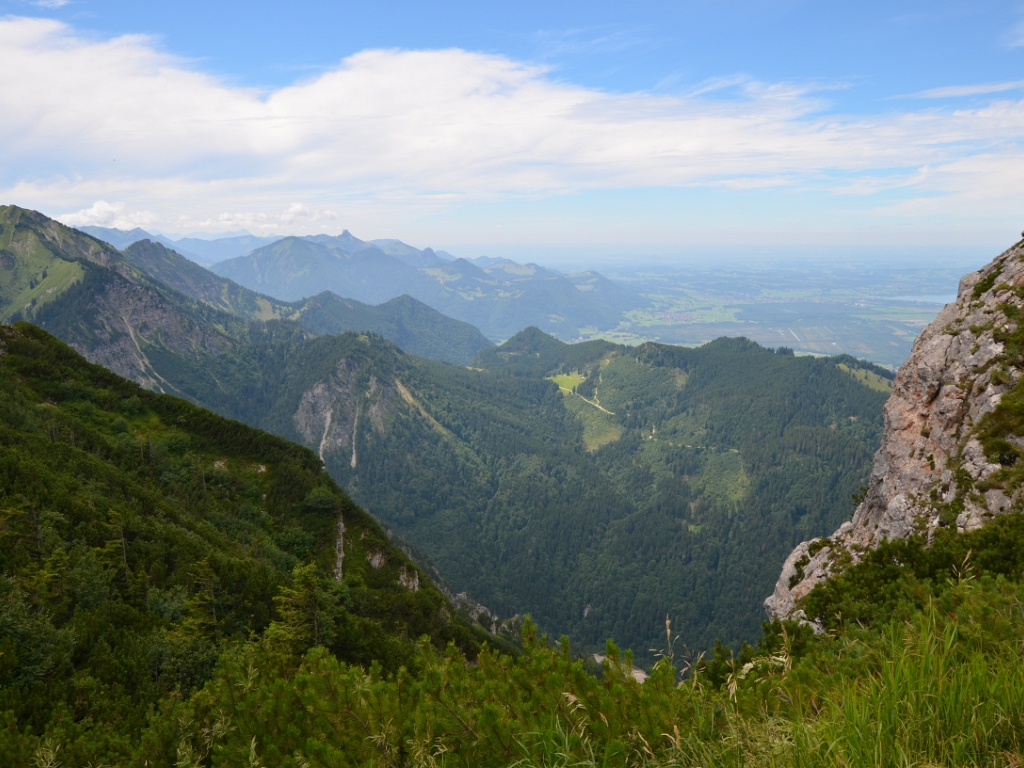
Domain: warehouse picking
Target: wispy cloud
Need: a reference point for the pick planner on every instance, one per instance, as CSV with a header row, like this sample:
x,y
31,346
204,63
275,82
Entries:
x,y
956,91
719,83
1016,36
88,120
49,3
587,40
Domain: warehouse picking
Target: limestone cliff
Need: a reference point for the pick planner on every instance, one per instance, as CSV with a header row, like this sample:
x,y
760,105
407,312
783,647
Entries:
x,y
952,435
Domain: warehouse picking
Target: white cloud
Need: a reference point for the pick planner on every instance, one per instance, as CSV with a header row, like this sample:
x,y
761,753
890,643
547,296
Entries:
x,y
104,214
955,91
90,120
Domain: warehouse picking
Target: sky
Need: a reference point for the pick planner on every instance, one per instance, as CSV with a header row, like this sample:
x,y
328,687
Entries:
x,y
557,132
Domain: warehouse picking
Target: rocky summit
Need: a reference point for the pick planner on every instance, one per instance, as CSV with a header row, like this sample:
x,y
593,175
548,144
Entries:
x,y
953,434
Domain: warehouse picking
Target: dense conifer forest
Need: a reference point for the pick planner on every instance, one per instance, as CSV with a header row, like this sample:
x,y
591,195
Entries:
x,y
671,481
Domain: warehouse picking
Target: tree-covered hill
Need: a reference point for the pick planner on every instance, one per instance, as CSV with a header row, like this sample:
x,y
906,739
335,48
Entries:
x,y
141,538
404,321
671,480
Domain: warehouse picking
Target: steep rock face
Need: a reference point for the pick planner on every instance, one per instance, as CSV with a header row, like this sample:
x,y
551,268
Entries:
x,y
329,412
947,457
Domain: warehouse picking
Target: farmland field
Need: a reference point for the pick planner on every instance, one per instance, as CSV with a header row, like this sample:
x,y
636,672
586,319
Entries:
x,y
872,313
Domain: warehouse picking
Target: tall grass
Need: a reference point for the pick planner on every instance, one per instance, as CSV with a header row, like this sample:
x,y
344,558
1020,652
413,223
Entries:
x,y
934,700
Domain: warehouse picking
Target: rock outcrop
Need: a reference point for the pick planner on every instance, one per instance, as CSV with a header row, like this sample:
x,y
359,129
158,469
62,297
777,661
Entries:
x,y
948,447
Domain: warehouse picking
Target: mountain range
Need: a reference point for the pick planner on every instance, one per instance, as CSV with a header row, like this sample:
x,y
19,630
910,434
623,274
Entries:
x,y
499,298
41,259
201,250
595,486
211,249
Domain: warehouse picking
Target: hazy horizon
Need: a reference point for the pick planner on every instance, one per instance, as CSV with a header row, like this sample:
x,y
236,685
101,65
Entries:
x,y
580,134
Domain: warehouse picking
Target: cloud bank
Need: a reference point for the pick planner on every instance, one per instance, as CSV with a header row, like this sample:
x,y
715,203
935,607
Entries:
x,y
87,121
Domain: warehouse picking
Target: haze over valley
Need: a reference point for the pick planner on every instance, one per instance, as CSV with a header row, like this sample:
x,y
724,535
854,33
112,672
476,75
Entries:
x,y
873,313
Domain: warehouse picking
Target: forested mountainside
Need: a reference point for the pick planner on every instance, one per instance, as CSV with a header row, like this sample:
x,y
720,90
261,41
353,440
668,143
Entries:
x,y
143,538
41,259
671,480
929,674
500,299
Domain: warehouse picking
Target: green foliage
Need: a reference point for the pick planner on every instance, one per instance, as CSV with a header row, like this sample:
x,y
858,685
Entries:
x,y
984,285
142,537
902,575
937,689
711,465
533,353
307,611
724,457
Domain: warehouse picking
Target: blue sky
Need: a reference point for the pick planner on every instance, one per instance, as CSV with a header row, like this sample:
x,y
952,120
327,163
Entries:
x,y
569,131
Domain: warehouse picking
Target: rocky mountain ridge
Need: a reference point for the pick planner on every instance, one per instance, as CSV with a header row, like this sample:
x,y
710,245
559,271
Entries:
x,y
953,435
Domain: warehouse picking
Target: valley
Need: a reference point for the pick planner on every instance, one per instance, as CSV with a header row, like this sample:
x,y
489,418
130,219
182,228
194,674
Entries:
x,y
511,385
872,313
173,580
667,480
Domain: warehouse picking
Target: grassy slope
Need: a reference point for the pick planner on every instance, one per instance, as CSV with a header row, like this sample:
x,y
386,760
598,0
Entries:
x,y
39,259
